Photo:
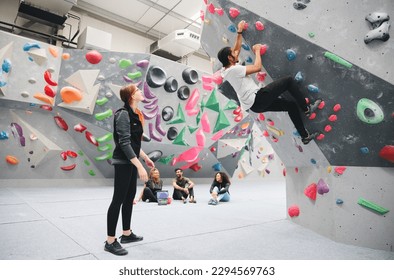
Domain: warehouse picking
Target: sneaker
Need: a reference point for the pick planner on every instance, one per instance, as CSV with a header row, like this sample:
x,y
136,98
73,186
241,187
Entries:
x,y
130,238
313,107
310,137
184,201
115,248
214,202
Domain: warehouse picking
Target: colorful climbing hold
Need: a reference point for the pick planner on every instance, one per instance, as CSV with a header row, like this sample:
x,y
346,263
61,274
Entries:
x,y
49,91
322,187
68,167
313,88
70,94
340,170
261,76
259,25
293,211
11,160
338,59
339,201
299,77
102,101
364,150
369,112
105,138
291,54
332,118
124,63
89,136
373,206
234,12
93,57
143,63
321,105
337,107
387,153
61,123
104,115
320,137
328,128
48,78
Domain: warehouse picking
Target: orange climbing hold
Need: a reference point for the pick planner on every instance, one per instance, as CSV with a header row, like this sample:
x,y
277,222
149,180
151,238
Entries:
x,y
11,160
53,51
44,98
66,56
70,94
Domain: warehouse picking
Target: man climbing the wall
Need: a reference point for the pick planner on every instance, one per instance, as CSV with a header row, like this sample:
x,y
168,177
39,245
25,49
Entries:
x,y
266,98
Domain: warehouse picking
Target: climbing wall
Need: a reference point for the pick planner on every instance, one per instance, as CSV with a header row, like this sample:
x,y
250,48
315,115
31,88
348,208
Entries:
x,y
339,184
57,109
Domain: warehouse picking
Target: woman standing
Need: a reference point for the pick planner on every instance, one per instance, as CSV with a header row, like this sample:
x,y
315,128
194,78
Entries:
x,y
219,189
128,129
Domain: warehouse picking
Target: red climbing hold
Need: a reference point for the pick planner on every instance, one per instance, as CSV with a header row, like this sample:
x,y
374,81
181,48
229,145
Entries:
x,y
328,128
261,117
48,78
63,155
263,49
320,136
332,118
46,107
79,127
89,136
337,107
310,191
93,57
265,133
387,153
72,154
237,111
340,169
69,167
321,105
312,116
211,8
219,11
294,211
195,167
49,91
61,123
259,26
234,12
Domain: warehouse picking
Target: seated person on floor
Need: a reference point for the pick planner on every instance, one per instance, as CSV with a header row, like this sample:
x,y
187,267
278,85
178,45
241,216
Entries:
x,y
219,189
151,187
183,187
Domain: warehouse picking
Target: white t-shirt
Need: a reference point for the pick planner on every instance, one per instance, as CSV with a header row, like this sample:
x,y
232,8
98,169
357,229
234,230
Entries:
x,y
244,86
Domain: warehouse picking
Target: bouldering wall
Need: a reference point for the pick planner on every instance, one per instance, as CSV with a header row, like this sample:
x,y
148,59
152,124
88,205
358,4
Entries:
x,y
57,110
342,53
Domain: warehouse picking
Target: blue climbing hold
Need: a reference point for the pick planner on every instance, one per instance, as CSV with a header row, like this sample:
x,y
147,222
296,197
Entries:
x,y
6,66
245,47
232,28
291,54
339,201
313,88
217,166
299,77
3,135
364,150
249,60
313,161
29,46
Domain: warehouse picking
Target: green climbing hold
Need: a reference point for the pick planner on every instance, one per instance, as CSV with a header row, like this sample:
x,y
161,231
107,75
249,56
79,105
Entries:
x,y
91,172
124,63
104,157
103,115
87,163
80,152
212,102
198,117
192,129
102,101
105,138
180,116
370,205
221,122
311,34
369,112
231,105
134,75
105,148
338,59
167,159
179,140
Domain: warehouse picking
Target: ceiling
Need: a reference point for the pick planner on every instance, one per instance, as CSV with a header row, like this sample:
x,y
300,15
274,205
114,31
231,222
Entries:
x,y
153,19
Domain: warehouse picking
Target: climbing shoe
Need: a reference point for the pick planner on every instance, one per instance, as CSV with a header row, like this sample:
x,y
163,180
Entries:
x,y
309,138
312,107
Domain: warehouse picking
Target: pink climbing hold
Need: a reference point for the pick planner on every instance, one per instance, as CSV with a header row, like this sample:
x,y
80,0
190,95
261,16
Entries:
x,y
284,172
332,118
234,12
217,77
202,15
320,136
261,117
265,133
337,107
310,191
211,8
270,122
312,116
328,128
259,26
93,57
307,100
387,153
219,11
239,117
263,49
237,111
261,76
340,169
294,211
246,25
321,105
296,169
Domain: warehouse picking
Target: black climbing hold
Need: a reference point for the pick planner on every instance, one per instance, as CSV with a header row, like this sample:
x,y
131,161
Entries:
x,y
380,33
376,19
190,76
167,113
156,77
171,84
299,6
172,133
183,92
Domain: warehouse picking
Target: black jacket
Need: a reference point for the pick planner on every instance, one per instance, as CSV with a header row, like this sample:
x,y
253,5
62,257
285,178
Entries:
x,y
127,136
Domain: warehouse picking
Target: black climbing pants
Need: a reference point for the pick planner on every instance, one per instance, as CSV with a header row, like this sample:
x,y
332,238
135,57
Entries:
x,y
267,99
149,194
125,187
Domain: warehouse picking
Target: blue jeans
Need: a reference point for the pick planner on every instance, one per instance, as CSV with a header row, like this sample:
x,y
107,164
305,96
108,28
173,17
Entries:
x,y
223,197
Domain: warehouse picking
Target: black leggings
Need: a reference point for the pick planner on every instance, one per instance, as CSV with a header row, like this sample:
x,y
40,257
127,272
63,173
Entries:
x,y
267,99
125,187
177,195
149,194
